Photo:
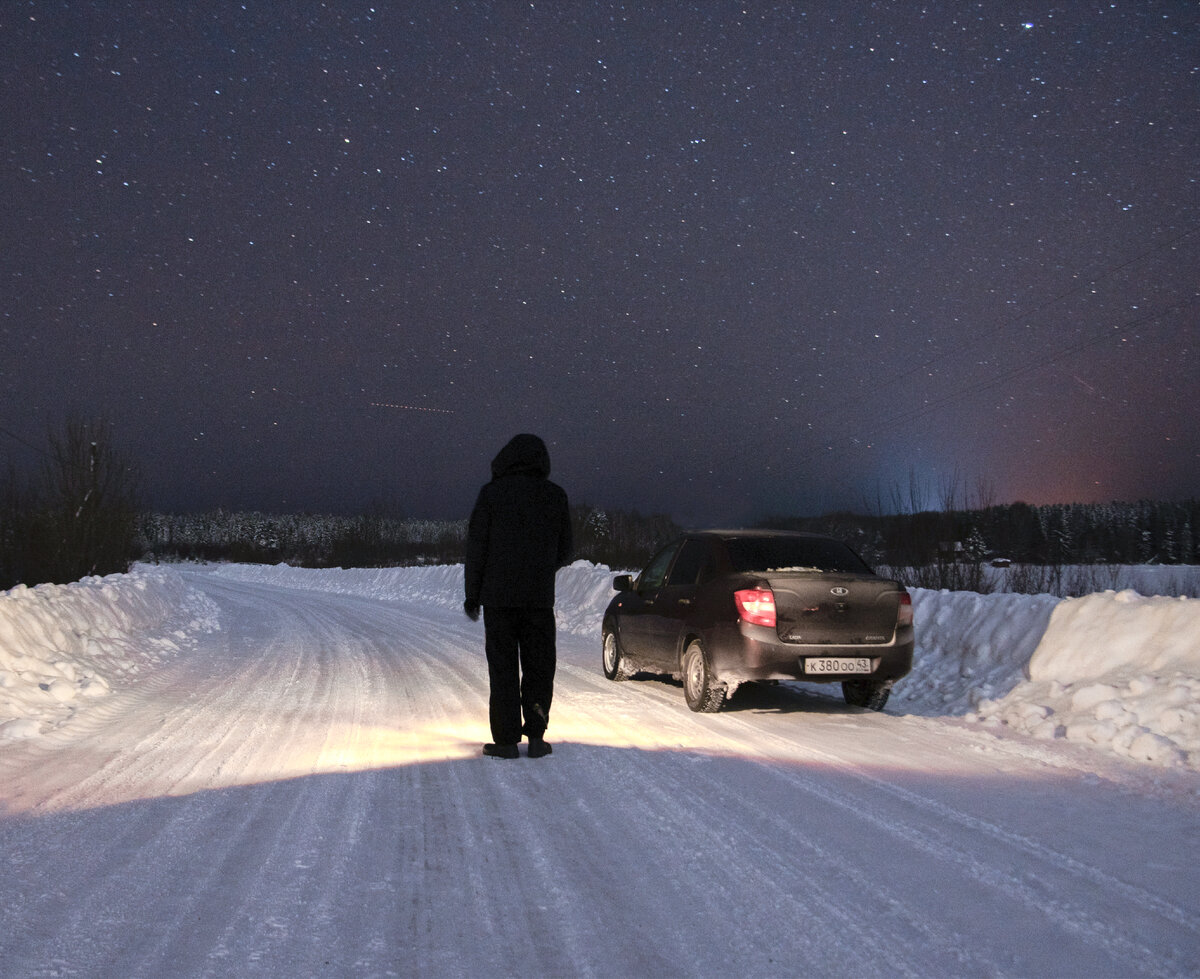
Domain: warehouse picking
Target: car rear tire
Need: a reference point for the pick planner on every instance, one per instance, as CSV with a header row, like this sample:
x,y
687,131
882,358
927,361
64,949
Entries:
x,y
871,694
615,667
703,693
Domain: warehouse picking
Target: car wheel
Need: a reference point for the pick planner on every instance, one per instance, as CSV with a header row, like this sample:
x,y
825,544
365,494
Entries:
x,y
614,664
702,692
871,694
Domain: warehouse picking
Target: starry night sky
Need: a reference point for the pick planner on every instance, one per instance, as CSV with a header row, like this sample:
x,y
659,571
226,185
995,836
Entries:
x,y
727,259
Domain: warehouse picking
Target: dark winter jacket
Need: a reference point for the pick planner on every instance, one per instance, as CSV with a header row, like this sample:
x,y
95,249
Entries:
x,y
520,530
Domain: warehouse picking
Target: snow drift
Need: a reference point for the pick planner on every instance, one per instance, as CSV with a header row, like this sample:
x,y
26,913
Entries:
x,y
1113,669
64,645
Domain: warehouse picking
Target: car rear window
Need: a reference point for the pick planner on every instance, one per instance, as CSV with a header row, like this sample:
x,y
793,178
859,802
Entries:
x,y
765,554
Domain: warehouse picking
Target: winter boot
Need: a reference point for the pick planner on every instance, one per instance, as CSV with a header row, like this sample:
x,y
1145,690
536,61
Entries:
x,y
501,750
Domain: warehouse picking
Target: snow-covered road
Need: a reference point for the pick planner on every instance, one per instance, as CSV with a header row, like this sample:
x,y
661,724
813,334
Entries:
x,y
302,794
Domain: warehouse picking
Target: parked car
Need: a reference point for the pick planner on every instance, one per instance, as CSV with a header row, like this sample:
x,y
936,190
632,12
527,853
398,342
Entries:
x,y
721,608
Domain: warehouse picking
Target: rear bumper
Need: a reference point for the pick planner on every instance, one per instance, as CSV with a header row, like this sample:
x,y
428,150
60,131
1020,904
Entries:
x,y
741,652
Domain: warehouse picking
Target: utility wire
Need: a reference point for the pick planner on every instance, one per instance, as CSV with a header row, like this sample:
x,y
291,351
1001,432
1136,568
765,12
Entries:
x,y
1043,362
17,438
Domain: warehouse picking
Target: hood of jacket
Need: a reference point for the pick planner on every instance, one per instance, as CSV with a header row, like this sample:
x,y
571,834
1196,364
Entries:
x,y
523,454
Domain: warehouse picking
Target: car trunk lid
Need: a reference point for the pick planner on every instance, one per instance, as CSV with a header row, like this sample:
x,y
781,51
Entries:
x,y
834,609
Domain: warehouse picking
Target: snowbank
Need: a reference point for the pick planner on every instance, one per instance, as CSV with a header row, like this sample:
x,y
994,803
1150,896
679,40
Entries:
x,y
1113,669
62,646
970,647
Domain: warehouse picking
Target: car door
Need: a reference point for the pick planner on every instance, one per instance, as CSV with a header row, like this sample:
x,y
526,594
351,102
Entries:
x,y
675,606
639,607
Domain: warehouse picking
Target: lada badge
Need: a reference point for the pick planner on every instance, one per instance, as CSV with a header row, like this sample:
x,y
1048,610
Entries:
x,y
839,591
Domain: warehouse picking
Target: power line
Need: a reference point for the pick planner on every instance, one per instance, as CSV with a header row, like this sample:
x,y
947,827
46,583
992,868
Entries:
x,y
17,438
1030,367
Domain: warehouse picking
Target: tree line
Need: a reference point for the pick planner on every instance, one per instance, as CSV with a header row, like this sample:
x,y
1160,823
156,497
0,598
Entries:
x,y
1144,532
301,540
80,516
617,538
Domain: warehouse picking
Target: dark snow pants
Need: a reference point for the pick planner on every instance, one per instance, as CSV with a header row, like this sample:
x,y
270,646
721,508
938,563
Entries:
x,y
521,658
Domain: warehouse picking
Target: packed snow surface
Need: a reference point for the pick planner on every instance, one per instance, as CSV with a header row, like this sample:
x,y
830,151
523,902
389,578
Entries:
x,y
1029,662
244,770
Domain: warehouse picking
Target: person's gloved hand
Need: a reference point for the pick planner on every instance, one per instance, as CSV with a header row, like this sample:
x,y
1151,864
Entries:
x,y
472,611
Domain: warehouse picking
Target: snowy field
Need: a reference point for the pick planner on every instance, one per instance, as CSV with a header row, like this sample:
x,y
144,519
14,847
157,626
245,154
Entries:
x,y
246,770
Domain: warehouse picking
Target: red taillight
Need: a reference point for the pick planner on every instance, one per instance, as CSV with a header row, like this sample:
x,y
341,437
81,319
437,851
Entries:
x,y
905,615
756,606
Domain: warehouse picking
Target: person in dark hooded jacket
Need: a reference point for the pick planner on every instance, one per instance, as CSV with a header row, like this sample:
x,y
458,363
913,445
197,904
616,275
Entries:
x,y
518,537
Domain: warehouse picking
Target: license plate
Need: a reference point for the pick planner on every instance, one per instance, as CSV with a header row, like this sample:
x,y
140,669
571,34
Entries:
x,y
837,664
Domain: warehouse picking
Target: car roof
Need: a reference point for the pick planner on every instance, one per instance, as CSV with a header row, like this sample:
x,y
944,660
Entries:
x,y
755,532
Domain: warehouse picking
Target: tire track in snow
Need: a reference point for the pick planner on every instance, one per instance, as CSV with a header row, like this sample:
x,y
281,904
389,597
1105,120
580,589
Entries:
x,y
418,677
998,874
829,916
129,875
729,735
1027,847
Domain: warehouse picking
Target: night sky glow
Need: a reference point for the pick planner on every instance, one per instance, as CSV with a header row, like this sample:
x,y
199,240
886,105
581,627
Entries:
x,y
727,259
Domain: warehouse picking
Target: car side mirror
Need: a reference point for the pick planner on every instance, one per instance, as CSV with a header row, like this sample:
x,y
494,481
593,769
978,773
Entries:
x,y
623,582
